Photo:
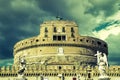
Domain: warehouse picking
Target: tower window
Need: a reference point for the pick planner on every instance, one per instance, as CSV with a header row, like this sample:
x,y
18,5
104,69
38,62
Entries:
x,y
72,30
46,35
46,30
63,29
63,38
55,29
59,38
72,35
54,38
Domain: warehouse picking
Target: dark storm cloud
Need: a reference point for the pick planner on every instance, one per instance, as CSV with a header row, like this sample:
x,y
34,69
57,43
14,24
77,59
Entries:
x,y
19,19
109,7
56,8
53,6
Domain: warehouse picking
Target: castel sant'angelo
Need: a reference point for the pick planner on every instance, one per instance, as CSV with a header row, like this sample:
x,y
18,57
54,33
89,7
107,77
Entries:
x,y
58,53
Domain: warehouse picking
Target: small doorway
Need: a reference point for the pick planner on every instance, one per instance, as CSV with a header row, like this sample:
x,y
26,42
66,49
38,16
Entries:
x,y
74,78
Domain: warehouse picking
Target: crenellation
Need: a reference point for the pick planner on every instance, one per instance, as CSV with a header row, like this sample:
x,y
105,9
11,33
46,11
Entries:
x,y
33,71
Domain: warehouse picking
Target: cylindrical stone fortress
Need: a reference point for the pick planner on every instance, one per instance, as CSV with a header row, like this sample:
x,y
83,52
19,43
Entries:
x,y
59,43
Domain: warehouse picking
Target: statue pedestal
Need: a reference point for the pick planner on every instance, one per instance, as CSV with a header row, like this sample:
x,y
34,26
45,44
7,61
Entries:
x,y
21,78
104,78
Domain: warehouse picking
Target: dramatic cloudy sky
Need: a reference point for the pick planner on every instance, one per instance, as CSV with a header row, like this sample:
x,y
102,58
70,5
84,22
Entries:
x,y
20,19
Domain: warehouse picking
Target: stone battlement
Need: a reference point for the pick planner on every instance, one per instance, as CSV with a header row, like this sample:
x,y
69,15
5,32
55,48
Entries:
x,y
51,70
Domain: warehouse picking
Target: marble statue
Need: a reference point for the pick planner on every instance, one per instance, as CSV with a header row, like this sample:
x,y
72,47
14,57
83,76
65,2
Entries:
x,y
22,69
102,63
